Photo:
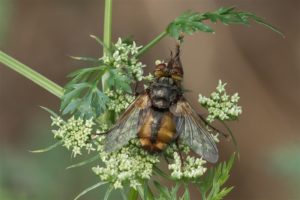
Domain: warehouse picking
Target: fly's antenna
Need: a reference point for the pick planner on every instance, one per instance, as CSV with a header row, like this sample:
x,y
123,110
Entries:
x,y
171,61
174,64
177,51
171,53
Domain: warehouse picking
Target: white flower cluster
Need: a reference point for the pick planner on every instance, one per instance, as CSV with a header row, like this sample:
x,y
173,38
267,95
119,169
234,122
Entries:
x,y
131,164
75,133
220,105
119,100
158,62
192,167
123,58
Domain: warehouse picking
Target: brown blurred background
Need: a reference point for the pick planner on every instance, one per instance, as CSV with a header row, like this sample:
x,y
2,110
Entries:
x,y
258,63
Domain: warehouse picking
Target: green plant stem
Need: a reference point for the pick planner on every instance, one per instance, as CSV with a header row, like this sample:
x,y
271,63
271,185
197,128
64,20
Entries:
x,y
232,137
107,31
107,35
107,38
152,43
32,75
133,194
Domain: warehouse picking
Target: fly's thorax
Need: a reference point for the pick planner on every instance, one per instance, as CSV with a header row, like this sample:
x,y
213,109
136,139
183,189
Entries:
x,y
163,92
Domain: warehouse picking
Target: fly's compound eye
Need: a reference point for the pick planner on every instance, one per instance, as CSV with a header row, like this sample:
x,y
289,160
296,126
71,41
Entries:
x,y
177,73
160,70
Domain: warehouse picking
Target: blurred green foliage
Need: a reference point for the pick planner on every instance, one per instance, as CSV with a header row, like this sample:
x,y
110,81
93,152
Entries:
x,y
28,176
286,161
5,15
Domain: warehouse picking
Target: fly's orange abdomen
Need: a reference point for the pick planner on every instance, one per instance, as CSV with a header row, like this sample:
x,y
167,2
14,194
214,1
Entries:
x,y
145,130
157,131
167,128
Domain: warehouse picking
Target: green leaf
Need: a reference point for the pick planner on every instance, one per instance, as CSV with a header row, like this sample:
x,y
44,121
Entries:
x,y
202,27
72,106
89,59
163,190
119,81
86,70
188,22
261,21
211,185
47,148
82,94
191,22
108,192
141,192
186,195
174,191
52,113
173,30
224,192
85,162
148,195
32,75
100,42
224,10
123,194
161,173
89,189
72,92
133,194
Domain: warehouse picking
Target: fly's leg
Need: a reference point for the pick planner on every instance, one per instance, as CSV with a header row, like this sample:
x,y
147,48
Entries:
x,y
135,92
95,135
179,152
212,127
166,159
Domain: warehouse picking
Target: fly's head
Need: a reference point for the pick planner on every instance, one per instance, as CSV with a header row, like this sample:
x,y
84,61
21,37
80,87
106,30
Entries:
x,y
162,70
173,69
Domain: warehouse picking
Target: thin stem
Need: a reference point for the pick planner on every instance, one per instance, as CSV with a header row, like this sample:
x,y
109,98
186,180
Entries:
x,y
133,194
232,137
107,35
107,26
32,75
107,38
155,41
152,43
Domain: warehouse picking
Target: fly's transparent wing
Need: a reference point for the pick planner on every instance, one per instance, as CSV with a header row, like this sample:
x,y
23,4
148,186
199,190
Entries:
x,y
128,124
191,131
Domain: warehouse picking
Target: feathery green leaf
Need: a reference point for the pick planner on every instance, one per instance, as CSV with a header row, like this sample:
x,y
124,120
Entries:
x,y
85,162
47,148
89,189
191,22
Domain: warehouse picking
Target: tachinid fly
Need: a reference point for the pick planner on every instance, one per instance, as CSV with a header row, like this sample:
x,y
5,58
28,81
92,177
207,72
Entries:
x,y
161,115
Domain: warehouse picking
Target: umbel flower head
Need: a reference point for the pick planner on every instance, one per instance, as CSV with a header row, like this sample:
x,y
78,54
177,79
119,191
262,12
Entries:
x,y
75,133
220,105
188,168
123,57
118,100
192,168
131,164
